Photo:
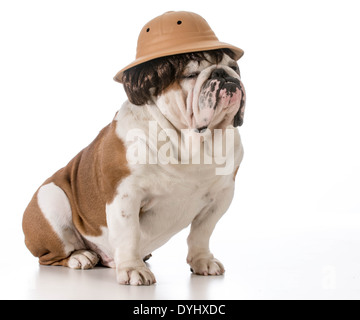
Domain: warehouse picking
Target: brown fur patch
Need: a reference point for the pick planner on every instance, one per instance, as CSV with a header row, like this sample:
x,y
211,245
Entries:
x,y
40,238
113,163
124,214
89,181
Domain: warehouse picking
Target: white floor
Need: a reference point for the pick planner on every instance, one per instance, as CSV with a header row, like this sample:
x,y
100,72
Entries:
x,y
303,264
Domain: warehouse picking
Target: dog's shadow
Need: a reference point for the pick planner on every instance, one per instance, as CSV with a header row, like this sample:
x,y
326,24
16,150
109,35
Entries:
x,y
203,287
100,283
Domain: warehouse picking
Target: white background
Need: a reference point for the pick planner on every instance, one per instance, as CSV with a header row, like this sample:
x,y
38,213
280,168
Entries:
x,y
293,230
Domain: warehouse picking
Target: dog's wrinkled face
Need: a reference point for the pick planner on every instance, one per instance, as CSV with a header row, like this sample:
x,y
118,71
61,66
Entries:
x,y
208,95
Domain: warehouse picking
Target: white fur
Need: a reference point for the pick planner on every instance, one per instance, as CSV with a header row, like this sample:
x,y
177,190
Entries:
x,y
101,245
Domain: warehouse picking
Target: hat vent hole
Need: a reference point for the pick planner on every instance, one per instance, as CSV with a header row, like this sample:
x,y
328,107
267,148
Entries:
x,y
148,29
179,22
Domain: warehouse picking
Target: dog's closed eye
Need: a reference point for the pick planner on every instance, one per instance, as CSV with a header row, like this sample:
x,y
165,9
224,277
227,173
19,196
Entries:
x,y
191,75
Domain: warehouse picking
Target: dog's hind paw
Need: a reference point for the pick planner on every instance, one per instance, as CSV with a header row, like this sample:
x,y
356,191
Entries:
x,y
83,259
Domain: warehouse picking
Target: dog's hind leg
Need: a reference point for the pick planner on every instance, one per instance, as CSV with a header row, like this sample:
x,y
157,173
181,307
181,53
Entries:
x,y
50,233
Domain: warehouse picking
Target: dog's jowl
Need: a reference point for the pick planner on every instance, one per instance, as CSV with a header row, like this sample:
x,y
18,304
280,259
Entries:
x,y
185,102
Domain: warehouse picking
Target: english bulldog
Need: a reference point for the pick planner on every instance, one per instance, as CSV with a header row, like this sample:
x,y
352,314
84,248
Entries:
x,y
136,185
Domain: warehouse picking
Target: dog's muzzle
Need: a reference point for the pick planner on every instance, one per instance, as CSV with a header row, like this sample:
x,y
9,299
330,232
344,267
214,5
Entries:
x,y
220,91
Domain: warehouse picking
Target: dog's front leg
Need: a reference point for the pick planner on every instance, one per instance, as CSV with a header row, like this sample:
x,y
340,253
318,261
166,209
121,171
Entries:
x,y
124,234
200,259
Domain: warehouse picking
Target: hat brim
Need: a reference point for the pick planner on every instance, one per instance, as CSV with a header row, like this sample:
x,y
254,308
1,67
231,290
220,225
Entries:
x,y
203,46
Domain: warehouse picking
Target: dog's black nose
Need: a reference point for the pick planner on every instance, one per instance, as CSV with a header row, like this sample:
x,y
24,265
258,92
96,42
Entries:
x,y
219,73
201,130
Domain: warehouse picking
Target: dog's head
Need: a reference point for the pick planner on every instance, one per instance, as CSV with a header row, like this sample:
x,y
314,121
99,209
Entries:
x,y
197,90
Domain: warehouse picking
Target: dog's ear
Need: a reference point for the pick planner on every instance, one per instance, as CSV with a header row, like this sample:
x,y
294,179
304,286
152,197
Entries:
x,y
239,116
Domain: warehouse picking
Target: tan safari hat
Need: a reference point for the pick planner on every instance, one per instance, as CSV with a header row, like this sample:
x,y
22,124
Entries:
x,y
175,32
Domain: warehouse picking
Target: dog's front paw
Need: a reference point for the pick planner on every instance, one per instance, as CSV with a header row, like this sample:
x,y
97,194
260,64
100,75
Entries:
x,y
207,267
135,276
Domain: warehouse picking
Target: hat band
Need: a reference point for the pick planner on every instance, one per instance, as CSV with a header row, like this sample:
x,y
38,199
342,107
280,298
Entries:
x,y
171,43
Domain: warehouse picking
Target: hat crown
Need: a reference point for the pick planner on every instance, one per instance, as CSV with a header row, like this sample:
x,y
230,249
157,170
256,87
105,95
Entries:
x,y
171,30
175,32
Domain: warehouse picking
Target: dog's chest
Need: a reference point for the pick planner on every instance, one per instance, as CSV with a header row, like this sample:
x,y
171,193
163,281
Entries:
x,y
172,205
